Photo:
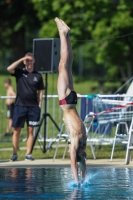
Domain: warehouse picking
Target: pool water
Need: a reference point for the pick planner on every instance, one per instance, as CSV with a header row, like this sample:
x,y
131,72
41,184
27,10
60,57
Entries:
x,y
57,183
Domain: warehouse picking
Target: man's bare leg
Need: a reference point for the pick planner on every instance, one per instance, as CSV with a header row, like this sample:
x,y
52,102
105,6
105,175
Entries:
x,y
63,78
30,139
15,139
70,59
9,126
70,66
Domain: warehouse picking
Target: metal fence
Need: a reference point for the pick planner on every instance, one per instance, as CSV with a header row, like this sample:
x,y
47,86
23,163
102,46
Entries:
x,y
52,108
109,110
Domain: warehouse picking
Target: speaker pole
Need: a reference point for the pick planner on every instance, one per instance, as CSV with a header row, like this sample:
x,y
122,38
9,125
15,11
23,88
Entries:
x,y
45,111
44,119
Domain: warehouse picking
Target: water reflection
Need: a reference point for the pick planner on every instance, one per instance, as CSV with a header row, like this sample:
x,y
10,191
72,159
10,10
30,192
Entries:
x,y
74,195
52,183
77,194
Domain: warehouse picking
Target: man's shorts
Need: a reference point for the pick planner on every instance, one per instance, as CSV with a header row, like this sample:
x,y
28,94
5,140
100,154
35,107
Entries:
x,y
30,114
10,109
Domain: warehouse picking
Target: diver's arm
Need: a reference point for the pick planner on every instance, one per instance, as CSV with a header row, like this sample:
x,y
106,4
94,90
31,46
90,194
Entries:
x,y
82,166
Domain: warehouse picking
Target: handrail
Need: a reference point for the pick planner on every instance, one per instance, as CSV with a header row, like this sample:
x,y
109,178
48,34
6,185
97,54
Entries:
x,y
79,95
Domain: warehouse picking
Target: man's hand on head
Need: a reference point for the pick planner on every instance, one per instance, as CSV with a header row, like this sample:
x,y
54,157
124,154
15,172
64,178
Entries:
x,y
28,58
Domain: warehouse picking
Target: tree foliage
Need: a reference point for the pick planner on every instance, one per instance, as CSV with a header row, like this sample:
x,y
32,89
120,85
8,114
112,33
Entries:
x,y
95,26
18,22
101,32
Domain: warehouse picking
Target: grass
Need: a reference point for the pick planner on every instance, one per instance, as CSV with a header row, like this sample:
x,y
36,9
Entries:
x,y
101,152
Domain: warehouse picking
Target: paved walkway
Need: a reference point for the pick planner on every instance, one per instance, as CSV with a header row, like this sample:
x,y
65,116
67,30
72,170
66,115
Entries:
x,y
117,163
99,163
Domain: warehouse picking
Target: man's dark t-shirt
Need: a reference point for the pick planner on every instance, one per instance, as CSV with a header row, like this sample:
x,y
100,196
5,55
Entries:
x,y
28,85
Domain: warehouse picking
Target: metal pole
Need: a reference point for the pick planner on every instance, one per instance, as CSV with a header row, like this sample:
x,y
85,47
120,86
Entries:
x,y
45,112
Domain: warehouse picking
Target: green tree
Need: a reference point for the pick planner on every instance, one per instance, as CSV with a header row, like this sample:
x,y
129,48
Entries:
x,y
117,53
94,24
18,26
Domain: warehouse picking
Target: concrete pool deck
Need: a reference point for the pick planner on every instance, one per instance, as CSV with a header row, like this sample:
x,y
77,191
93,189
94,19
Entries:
x,y
98,163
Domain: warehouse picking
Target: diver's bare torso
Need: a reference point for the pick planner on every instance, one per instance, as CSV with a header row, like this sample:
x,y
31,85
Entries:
x,y
73,122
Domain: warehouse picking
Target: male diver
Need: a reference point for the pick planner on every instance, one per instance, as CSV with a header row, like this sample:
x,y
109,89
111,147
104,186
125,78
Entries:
x,y
67,101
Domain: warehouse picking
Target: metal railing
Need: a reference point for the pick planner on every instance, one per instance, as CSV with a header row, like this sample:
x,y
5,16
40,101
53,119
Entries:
x,y
52,108
86,103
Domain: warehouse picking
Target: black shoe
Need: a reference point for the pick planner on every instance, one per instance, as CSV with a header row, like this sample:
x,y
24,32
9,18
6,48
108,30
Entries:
x,y
29,157
8,134
14,157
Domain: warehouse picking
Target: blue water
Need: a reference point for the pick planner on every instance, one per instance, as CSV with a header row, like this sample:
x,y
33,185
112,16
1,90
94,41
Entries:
x,y
57,183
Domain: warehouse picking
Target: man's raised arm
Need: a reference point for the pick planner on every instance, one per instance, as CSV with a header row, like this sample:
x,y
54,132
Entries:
x,y
11,68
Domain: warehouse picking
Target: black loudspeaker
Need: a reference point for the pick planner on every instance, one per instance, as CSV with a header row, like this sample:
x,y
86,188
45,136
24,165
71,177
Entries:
x,y
47,54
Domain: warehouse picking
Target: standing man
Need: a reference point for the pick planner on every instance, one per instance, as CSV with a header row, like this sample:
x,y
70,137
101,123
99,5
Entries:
x,y
10,105
28,101
67,101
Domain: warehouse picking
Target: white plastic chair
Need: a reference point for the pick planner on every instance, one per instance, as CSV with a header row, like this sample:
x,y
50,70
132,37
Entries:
x,y
61,137
121,137
88,121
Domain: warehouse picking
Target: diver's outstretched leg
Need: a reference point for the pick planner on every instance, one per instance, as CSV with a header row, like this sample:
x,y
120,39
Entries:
x,y
63,85
70,58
